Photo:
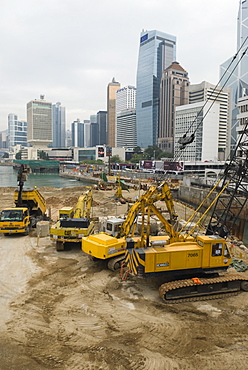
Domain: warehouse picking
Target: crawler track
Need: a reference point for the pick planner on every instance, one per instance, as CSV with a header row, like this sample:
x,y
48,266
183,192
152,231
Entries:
x,y
208,288
114,263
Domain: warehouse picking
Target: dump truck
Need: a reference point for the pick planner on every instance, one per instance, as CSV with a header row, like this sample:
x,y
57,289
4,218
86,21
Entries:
x,y
30,208
73,225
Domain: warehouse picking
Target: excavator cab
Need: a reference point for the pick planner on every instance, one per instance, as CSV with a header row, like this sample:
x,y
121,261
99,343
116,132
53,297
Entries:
x,y
66,212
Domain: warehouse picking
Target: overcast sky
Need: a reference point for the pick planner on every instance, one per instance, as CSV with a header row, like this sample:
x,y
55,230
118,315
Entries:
x,y
69,50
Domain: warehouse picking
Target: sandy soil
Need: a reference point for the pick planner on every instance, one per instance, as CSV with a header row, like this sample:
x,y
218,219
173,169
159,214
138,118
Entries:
x,y
59,310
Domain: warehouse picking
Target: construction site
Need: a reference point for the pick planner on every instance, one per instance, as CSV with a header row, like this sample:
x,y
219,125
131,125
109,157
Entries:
x,y
105,278
66,310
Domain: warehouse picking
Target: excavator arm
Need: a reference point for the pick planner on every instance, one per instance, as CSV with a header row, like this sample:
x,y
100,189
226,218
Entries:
x,y
83,206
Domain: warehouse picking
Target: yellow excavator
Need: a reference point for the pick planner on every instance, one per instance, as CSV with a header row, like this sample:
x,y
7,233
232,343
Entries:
x,y
73,224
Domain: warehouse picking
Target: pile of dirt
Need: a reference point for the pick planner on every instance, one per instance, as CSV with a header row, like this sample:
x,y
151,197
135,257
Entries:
x,y
53,201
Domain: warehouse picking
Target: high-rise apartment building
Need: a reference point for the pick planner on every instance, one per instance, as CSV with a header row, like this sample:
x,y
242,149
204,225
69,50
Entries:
x,y
59,129
206,91
126,134
111,109
39,123
17,131
174,91
157,51
237,79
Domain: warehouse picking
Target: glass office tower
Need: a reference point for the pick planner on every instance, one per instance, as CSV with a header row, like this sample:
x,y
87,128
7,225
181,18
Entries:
x,y
58,126
17,131
237,78
157,51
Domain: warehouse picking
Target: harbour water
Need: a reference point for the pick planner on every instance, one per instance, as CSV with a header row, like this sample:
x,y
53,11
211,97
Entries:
x,y
8,177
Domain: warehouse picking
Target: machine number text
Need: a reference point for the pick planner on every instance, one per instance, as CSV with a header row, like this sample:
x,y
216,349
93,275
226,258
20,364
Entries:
x,y
192,254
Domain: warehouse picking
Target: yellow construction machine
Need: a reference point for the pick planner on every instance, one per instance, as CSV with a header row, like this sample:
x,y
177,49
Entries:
x,y
177,255
30,208
111,244
193,265
73,224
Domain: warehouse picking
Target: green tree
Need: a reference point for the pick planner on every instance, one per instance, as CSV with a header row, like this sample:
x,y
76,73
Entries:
x,y
18,155
92,161
43,155
115,159
153,152
165,155
137,150
137,157
5,155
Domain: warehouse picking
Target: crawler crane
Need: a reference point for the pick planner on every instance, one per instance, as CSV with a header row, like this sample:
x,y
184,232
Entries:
x,y
203,259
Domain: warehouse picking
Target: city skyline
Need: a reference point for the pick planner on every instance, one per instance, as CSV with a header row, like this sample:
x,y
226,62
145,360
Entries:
x,y
72,59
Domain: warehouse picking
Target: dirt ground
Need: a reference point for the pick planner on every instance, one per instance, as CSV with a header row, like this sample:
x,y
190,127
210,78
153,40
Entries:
x,y
60,310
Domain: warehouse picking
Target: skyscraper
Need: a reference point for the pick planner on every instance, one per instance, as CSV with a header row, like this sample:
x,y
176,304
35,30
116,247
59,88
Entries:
x,y
111,109
77,133
125,98
94,131
17,131
39,123
238,79
86,133
208,116
126,129
126,135
157,51
174,91
102,124
203,119
59,136
206,91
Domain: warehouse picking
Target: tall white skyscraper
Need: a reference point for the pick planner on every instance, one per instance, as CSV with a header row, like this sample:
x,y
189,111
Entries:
x,y
204,119
206,91
125,98
39,123
126,134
